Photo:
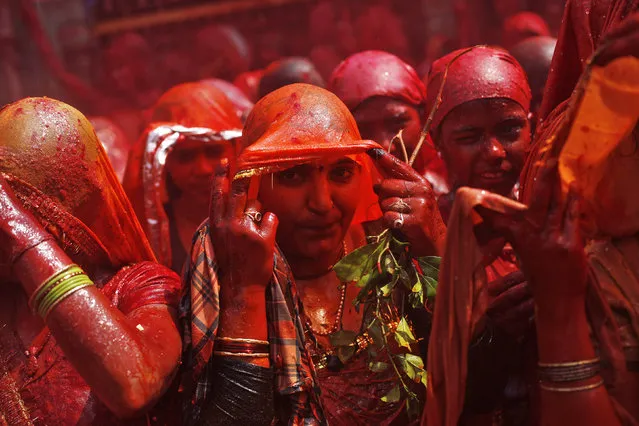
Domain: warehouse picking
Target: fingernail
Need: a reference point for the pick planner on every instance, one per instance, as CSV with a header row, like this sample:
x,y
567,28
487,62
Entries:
x,y
375,153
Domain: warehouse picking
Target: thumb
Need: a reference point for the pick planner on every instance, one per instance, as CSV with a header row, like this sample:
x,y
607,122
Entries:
x,y
269,224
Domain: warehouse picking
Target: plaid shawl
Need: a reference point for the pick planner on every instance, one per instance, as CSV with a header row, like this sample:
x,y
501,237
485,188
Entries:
x,y
295,379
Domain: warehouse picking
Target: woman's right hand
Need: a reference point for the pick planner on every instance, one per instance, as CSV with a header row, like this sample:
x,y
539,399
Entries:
x,y
244,245
621,41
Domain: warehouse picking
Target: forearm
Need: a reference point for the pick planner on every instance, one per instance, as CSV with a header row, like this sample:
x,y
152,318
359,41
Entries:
x,y
123,364
563,336
243,316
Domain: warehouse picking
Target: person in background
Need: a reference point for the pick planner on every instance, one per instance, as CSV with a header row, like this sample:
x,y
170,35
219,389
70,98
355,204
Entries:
x,y
249,83
88,333
521,26
386,96
482,130
220,51
288,71
535,54
241,102
169,172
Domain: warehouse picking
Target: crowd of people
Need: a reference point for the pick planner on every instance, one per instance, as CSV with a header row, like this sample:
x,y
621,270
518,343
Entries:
x,y
365,246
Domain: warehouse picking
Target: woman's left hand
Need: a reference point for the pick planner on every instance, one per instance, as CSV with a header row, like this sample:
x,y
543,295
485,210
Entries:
x,y
409,205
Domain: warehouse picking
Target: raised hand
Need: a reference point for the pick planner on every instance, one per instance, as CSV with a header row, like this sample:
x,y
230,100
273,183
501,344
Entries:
x,y
620,41
243,238
409,205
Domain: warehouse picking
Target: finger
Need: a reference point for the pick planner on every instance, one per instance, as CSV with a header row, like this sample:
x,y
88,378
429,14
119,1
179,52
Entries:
x,y
219,194
511,297
517,314
253,205
547,184
624,46
392,167
239,196
403,188
498,286
396,204
571,227
268,226
394,220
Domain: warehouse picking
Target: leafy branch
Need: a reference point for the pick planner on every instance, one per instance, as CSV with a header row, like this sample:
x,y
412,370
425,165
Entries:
x,y
383,270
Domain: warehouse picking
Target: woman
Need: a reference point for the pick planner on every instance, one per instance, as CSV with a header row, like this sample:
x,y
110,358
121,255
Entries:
x,y
88,332
240,101
303,154
482,131
386,96
595,311
169,172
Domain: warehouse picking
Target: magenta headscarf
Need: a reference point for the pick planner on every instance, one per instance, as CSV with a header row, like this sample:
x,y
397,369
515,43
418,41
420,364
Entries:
x,y
375,73
480,73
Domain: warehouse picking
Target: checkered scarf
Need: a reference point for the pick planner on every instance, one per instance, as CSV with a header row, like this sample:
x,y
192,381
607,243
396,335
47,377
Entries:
x,y
295,379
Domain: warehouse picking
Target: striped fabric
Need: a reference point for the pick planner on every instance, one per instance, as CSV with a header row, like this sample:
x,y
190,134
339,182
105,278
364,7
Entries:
x,y
295,379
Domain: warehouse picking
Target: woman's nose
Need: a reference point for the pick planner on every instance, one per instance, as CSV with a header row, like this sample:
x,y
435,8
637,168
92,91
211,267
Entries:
x,y
494,149
320,198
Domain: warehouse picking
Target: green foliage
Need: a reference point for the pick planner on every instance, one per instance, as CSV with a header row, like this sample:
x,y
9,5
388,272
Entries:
x,y
380,269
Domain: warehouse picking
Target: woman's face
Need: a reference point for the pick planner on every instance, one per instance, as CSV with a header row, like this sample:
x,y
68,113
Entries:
x,y
315,204
484,144
381,118
190,167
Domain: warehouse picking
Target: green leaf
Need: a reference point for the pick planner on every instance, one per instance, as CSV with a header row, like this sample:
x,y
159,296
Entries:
x,y
343,338
393,395
413,407
431,287
345,353
404,335
407,367
417,288
358,262
375,332
415,361
378,367
429,266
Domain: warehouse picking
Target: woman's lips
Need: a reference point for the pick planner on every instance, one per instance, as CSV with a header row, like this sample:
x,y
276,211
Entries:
x,y
320,230
493,176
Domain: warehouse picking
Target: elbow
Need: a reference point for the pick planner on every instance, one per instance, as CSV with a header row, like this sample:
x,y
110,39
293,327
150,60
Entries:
x,y
139,397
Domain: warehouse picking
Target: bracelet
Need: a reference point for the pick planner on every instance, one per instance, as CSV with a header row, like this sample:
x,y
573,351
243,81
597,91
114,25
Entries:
x,y
51,282
57,288
572,389
569,371
241,347
242,355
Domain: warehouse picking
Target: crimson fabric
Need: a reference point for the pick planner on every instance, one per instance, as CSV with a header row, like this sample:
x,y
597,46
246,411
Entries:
x,y
521,26
197,105
58,170
375,73
480,73
249,83
50,153
298,124
584,23
239,100
114,142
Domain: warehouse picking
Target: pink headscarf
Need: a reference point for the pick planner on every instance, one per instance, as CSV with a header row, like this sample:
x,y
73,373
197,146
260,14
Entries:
x,y
480,73
375,73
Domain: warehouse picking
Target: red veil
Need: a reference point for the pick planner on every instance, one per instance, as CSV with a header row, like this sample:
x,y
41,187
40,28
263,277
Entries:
x,y
188,111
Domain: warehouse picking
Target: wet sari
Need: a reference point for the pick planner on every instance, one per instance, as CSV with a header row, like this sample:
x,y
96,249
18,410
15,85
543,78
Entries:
x,y
190,111
294,125
57,168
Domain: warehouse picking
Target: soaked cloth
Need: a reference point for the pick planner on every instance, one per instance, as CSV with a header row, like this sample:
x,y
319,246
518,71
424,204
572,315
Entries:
x,y
481,73
57,168
375,73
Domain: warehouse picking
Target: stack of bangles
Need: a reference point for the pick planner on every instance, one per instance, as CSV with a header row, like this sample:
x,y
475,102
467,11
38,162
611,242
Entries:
x,y
235,347
58,287
561,376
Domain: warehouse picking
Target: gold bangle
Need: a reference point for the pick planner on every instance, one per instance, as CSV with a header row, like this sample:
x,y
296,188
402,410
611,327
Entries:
x,y
240,340
568,364
241,355
572,389
51,282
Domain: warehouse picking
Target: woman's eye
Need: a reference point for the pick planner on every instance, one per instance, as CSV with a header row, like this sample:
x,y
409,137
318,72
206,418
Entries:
x,y
289,177
511,132
468,139
342,174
